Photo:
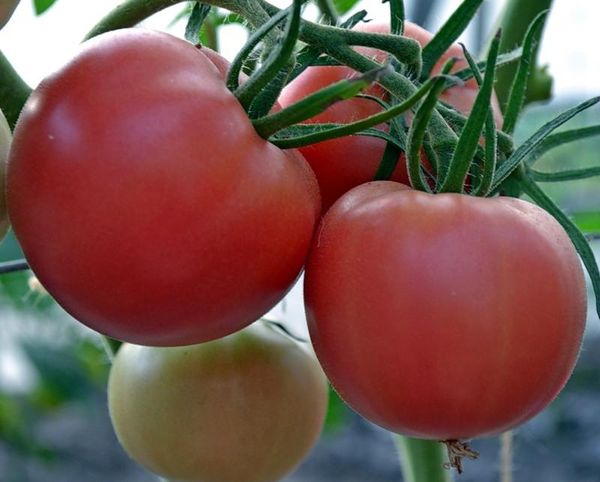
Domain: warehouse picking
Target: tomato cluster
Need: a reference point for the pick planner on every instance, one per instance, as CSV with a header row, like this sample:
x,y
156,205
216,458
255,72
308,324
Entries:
x,y
149,207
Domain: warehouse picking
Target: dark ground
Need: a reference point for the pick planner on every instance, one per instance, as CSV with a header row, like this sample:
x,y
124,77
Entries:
x,y
560,445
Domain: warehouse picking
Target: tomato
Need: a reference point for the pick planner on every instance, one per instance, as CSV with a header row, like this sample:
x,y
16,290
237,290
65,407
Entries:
x,y
7,7
340,164
247,407
5,138
444,316
144,200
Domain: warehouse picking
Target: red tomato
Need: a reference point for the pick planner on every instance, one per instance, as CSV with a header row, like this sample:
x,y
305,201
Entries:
x,y
144,200
247,407
444,316
5,138
341,164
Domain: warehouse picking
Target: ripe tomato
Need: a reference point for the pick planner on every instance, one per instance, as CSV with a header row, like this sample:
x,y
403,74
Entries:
x,y
5,138
444,316
341,164
144,200
7,7
247,407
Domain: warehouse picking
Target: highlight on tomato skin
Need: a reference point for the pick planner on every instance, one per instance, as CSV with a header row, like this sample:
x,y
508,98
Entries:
x,y
247,407
444,316
341,164
158,201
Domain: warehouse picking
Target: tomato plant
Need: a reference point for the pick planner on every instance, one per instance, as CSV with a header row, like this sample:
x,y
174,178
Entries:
x,y
343,163
145,202
5,138
444,316
246,407
7,7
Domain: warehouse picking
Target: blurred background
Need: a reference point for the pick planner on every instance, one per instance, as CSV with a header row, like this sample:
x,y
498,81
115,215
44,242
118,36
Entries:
x,y
54,424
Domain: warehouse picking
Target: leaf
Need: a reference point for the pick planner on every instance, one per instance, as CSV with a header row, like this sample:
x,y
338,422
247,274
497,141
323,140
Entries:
x,y
343,6
588,222
40,6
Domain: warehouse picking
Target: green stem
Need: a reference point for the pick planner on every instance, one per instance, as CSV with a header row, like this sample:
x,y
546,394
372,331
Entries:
x,y
422,460
111,346
330,40
13,266
328,10
514,21
13,91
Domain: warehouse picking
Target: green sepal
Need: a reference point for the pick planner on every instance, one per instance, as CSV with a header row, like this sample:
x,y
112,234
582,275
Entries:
x,y
503,60
306,134
578,239
397,16
471,133
567,175
448,34
516,97
192,29
276,60
255,38
416,135
561,138
490,155
529,146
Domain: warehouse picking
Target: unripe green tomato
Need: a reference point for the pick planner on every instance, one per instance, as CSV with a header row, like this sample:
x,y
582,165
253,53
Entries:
x,y
5,138
247,407
7,7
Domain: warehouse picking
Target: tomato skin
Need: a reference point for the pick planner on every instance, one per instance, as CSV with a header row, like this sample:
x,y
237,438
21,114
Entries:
x,y
142,195
5,139
343,163
444,316
246,407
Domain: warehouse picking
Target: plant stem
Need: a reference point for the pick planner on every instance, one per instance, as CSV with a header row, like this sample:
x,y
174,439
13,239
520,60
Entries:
x,y
506,453
13,266
514,21
328,10
422,460
328,39
13,91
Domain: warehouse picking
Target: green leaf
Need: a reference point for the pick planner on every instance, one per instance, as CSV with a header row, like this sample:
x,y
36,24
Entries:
x,y
447,35
40,6
343,6
516,98
588,222
194,24
529,146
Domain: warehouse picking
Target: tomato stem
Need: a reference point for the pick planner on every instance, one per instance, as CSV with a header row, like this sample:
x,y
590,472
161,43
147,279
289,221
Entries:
x,y
13,266
422,460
